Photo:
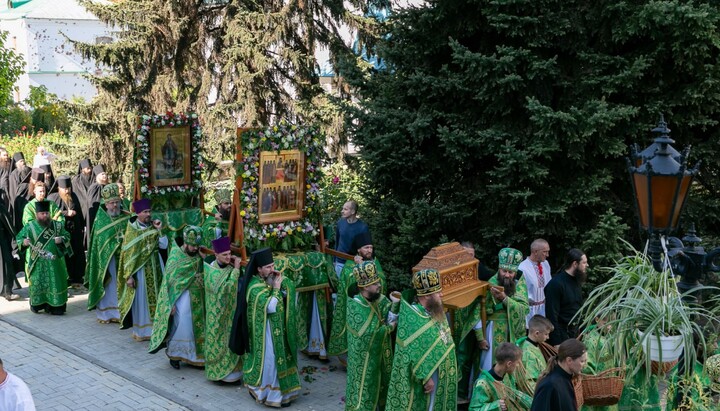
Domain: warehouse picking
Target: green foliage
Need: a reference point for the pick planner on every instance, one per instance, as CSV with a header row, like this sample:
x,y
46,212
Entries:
x,y
602,243
48,113
69,150
16,121
339,184
500,122
11,67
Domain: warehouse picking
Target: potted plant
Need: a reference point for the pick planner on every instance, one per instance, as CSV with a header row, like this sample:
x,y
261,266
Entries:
x,y
649,317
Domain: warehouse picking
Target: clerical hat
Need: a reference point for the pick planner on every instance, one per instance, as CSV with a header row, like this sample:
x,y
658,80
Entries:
x,y
712,367
262,257
38,174
42,206
64,182
427,282
18,156
110,192
361,240
46,168
141,205
221,245
366,274
98,169
223,195
509,259
85,162
192,235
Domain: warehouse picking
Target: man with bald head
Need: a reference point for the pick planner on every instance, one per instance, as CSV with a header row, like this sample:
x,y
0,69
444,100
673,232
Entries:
x,y
536,270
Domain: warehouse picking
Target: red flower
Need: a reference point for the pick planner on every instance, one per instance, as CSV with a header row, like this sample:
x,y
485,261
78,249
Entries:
x,y
23,128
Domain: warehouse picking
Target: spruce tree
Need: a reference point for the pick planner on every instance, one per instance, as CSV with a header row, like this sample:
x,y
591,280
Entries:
x,y
501,122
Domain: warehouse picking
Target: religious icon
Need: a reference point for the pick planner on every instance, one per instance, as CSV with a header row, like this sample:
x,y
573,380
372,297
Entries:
x,y
282,194
170,156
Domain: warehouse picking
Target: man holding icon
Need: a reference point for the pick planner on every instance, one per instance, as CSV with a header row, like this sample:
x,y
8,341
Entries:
x,y
140,271
47,242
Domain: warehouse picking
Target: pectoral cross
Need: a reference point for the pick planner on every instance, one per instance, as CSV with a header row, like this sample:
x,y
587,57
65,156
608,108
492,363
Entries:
x,y
119,236
444,335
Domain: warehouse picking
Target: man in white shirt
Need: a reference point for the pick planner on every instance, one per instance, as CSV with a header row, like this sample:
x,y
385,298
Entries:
x,y
536,270
14,393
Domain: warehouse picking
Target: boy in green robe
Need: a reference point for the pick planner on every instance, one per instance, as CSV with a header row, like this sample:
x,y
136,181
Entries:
x,y
103,256
533,361
371,318
47,242
424,373
179,320
494,389
217,225
40,192
338,330
221,286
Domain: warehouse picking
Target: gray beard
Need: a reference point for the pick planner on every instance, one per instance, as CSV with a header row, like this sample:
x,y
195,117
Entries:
x,y
114,213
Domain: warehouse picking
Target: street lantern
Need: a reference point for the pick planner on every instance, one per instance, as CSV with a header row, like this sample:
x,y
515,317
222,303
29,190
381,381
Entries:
x,y
661,185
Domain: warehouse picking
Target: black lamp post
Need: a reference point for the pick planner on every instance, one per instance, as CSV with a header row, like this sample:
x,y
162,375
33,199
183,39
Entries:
x,y
661,185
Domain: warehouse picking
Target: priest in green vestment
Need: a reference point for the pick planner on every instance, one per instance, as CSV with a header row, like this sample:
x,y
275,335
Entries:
x,y
47,242
371,318
40,192
103,255
221,287
533,362
270,367
338,331
179,322
218,224
494,389
424,373
140,272
507,302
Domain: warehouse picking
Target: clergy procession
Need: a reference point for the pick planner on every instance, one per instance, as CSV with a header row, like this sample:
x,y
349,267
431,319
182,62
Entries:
x,y
518,345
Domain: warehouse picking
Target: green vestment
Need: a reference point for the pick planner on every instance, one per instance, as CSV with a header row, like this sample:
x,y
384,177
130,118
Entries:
x,y
641,392
423,347
29,212
508,317
369,353
532,365
695,388
182,272
338,344
45,263
488,392
105,244
221,285
139,250
599,358
209,226
284,334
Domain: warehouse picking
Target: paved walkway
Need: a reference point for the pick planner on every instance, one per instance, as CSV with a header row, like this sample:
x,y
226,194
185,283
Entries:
x,y
71,362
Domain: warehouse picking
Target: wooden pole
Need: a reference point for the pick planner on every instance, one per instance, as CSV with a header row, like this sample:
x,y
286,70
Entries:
x,y
137,194
236,230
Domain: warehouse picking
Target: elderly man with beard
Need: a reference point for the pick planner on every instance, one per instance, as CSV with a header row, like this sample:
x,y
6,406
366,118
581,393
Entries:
x,y
69,206
564,296
103,256
94,196
47,242
140,272
179,322
424,372
217,225
371,321
362,244
82,181
506,306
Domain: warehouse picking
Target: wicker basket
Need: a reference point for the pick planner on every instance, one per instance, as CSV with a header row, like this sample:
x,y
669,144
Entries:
x,y
604,388
577,382
661,368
